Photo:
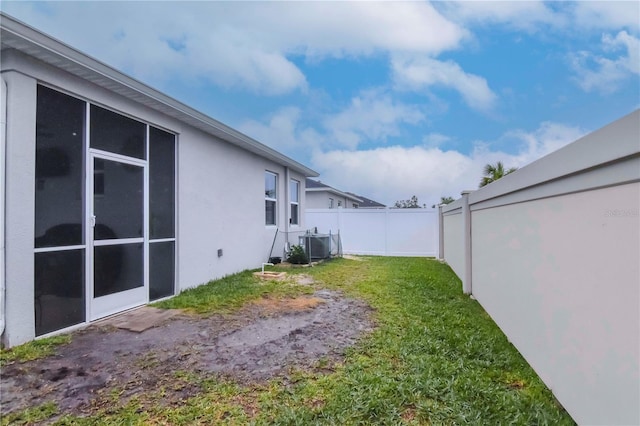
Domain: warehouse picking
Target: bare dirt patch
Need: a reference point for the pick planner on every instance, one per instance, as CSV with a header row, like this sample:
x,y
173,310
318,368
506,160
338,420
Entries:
x,y
352,257
303,303
105,366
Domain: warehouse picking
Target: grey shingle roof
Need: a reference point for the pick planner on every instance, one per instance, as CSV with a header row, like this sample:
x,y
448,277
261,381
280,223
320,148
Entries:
x,y
367,202
363,202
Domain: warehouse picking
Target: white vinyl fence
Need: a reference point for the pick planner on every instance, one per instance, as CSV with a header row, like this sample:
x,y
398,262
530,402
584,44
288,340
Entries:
x,y
551,253
380,232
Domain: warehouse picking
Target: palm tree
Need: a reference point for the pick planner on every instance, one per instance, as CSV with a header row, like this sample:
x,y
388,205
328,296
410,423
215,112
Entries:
x,y
444,200
494,172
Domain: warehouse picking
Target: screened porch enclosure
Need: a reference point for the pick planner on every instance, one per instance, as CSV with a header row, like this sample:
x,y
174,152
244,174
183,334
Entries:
x,y
104,212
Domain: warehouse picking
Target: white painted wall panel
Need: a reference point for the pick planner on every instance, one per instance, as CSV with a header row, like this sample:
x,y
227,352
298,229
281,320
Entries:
x,y
554,259
382,232
324,220
364,232
412,232
561,277
453,243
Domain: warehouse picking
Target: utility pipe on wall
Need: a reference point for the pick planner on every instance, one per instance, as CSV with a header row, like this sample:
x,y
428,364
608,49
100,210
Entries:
x,y
287,208
3,141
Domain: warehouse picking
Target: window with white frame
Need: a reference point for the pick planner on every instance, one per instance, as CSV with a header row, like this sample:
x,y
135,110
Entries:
x,y
330,203
339,203
270,197
294,201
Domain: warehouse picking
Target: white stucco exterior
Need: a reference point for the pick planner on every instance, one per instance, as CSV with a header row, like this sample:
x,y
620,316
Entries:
x,y
227,212
220,185
326,198
19,208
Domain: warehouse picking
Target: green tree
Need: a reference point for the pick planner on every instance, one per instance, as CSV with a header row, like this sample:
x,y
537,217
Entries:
x,y
494,172
412,203
444,200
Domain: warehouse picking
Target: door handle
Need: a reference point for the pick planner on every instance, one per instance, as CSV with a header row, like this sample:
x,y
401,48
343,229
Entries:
x,y
92,221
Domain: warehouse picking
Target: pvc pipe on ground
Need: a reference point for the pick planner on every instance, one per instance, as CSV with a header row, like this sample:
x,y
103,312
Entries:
x,y
264,264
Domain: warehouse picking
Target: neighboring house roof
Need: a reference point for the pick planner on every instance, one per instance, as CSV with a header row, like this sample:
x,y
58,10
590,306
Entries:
x,y
367,203
28,40
316,186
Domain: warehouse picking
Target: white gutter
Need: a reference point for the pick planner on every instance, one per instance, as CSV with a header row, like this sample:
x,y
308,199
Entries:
x,y
3,140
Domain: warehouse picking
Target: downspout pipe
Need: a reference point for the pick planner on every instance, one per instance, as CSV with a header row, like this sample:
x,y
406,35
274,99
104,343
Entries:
x,y
287,207
3,142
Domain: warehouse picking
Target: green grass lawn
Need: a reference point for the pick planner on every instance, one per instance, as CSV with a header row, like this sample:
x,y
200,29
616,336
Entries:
x,y
435,357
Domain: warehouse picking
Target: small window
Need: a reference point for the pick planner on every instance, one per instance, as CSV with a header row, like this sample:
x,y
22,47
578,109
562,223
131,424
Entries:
x,y
330,203
270,197
294,191
355,205
116,133
339,203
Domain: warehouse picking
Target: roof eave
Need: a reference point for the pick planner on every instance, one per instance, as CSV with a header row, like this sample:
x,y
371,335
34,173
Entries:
x,y
334,191
22,37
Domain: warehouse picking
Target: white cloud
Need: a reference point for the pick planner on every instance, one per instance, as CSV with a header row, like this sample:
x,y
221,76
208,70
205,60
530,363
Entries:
x,y
246,45
280,130
371,116
536,15
393,173
351,28
606,73
423,72
607,14
434,140
547,138
522,15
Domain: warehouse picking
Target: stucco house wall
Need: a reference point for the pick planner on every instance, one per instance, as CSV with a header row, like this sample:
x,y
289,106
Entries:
x,y
227,212
322,199
220,182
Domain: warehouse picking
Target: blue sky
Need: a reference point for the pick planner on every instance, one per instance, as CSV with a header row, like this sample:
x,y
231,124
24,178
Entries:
x,y
384,99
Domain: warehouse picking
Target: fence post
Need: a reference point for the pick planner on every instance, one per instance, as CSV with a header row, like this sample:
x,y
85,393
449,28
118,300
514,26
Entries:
x,y
340,220
440,232
386,231
466,242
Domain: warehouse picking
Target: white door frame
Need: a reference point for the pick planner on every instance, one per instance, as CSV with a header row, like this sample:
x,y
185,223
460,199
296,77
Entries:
x,y
103,306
